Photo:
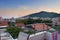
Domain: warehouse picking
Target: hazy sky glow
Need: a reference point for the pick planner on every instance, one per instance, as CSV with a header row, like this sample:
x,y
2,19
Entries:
x,y
16,8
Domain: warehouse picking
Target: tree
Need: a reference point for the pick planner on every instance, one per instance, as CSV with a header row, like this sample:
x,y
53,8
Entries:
x,y
14,31
29,21
38,21
57,28
10,24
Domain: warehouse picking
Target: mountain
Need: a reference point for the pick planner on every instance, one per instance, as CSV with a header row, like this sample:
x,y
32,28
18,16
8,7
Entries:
x,y
43,14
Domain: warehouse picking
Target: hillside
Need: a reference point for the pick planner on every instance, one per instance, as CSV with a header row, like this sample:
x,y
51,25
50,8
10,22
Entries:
x,y
43,14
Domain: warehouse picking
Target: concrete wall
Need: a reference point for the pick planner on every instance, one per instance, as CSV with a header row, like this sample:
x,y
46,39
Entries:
x,y
22,36
49,36
37,36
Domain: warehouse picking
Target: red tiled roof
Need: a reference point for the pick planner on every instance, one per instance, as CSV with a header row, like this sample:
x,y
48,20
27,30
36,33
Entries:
x,y
3,23
19,24
40,26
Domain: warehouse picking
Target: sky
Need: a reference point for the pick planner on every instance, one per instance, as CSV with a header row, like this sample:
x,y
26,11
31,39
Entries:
x,y
19,8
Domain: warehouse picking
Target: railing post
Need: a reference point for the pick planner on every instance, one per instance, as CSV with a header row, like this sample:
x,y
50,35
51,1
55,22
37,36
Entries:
x,y
28,37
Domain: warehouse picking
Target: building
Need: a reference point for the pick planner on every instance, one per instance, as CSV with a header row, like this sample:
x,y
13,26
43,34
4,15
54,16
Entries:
x,y
56,21
45,18
40,26
36,27
3,23
19,24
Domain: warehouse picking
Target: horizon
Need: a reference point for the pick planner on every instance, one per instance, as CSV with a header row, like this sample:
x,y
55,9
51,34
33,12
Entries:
x,y
19,8
28,14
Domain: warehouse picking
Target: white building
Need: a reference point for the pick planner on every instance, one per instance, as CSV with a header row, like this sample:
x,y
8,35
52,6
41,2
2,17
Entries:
x,y
46,18
56,21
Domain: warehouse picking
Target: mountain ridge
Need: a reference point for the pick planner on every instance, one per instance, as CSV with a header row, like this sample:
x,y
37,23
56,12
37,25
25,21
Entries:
x,y
43,14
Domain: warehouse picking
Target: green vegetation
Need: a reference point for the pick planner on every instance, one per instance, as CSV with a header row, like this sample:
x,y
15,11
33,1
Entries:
x,y
31,21
38,21
14,31
11,24
30,32
19,20
44,14
57,27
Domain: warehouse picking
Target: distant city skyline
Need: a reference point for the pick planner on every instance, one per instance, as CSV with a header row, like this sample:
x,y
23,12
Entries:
x,y
19,8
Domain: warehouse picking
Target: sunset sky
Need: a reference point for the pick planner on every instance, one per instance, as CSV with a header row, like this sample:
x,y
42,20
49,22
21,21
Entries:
x,y
18,8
